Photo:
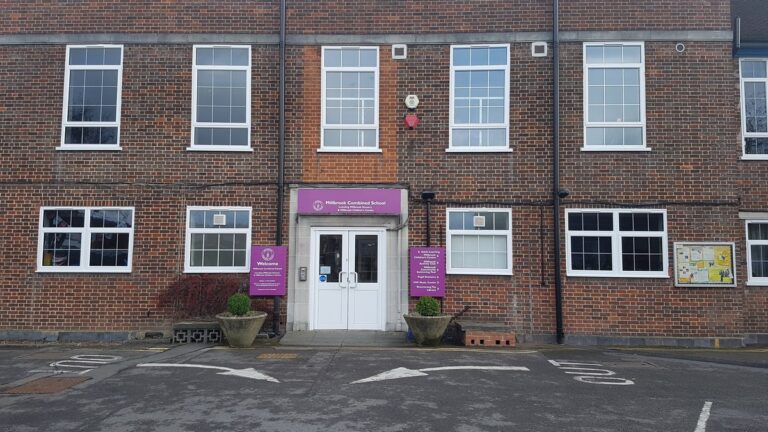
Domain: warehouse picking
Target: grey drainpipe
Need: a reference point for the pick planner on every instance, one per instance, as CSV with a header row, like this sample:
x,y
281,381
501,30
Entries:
x,y
556,169
281,162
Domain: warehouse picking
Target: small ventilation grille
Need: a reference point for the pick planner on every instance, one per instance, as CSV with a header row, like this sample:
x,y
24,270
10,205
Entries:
x,y
399,52
539,49
220,219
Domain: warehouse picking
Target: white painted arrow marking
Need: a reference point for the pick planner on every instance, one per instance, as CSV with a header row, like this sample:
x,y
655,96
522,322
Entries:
x,y
402,372
245,373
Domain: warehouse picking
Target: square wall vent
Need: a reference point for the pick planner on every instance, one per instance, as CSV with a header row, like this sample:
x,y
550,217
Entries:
x,y
220,219
479,221
400,52
539,49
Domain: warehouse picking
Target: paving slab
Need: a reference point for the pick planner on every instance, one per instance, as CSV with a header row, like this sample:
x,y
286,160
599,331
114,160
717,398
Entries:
x,y
344,338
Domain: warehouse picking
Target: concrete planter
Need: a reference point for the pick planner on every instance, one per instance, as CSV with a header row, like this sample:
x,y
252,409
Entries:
x,y
427,330
241,331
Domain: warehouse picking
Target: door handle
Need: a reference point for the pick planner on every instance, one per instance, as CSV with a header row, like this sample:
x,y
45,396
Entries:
x,y
353,273
341,280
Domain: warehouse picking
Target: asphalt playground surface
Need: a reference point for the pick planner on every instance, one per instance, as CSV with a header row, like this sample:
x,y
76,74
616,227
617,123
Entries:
x,y
204,388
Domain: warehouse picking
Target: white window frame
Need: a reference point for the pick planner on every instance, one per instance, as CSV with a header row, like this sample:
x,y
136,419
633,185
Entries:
x,y
453,124
743,107
188,240
196,124
758,281
616,235
450,233
324,126
585,89
85,241
66,123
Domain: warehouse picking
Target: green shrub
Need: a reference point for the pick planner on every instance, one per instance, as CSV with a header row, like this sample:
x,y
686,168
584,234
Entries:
x,y
239,304
428,306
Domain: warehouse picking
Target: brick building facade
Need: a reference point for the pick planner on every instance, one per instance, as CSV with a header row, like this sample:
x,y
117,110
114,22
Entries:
x,y
671,165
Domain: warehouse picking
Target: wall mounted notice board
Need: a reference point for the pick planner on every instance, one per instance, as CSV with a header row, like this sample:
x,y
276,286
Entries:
x,y
705,264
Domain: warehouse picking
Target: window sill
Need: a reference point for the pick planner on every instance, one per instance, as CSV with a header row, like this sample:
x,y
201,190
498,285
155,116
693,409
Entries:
x,y
95,147
480,272
216,270
65,270
755,283
616,149
479,150
755,157
349,150
220,149
618,275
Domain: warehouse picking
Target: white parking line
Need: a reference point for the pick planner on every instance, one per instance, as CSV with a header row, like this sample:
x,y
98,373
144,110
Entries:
x,y
701,426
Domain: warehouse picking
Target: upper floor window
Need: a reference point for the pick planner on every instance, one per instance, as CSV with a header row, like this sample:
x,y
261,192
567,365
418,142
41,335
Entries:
x,y
85,240
350,99
618,243
479,108
218,240
92,93
221,98
614,96
479,241
754,118
757,252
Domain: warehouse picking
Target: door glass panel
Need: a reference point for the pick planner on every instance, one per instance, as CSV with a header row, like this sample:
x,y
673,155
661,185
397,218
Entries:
x,y
330,256
367,258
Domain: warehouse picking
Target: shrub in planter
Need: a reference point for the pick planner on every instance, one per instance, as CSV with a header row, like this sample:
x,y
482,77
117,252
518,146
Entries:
x,y
240,324
428,324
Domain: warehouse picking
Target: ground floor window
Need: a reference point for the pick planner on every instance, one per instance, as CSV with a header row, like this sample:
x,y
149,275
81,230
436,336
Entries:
x,y
218,240
757,251
479,241
616,243
85,239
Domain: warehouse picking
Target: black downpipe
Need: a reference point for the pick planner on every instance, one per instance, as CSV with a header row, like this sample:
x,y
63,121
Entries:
x,y
281,162
429,231
556,168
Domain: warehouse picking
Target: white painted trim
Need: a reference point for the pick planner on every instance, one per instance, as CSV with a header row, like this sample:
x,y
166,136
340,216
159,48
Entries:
x,y
118,102
188,240
478,150
220,148
616,235
754,281
616,149
374,126
742,107
507,100
448,238
585,89
85,241
248,78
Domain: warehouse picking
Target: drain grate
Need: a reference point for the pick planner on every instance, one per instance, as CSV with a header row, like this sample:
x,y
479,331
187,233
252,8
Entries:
x,y
277,356
48,385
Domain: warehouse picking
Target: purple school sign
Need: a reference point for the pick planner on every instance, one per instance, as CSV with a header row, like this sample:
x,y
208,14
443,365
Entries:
x,y
268,270
349,201
427,273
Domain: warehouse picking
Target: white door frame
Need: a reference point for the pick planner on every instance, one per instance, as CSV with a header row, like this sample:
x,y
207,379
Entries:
x,y
313,270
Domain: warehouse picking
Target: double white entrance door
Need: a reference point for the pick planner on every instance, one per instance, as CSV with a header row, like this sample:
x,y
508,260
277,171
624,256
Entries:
x,y
348,279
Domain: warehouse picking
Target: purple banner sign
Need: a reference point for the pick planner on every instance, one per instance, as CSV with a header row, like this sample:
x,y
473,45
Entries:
x,y
427,271
269,268
349,201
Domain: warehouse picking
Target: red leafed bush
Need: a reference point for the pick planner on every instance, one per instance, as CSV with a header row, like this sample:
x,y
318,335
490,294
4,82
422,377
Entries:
x,y
201,296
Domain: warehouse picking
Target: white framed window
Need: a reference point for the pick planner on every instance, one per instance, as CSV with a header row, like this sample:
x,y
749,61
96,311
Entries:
x,y
85,239
479,241
754,116
221,98
614,96
479,108
757,252
218,240
350,99
616,243
92,94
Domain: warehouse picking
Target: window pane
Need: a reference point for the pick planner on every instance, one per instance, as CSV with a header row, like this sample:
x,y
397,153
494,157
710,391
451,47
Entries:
x,y
753,69
461,56
575,221
756,146
61,249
